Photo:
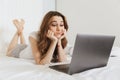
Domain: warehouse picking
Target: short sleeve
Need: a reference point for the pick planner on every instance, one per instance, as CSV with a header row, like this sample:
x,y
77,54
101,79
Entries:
x,y
33,34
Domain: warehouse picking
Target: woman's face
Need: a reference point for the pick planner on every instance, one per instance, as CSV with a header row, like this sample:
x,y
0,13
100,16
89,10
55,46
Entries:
x,y
57,26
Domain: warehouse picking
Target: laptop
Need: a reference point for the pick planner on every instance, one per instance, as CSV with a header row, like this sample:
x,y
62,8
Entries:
x,y
90,51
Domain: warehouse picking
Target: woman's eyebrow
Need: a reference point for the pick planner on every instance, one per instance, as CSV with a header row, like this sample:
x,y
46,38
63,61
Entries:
x,y
55,22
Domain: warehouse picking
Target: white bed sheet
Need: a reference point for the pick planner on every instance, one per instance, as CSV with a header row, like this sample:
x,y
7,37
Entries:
x,y
21,69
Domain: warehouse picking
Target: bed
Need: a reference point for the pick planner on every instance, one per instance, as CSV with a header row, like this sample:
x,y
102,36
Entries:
x,y
23,69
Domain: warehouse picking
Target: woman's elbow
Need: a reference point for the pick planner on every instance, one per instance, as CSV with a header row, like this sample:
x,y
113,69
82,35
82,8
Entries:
x,y
40,63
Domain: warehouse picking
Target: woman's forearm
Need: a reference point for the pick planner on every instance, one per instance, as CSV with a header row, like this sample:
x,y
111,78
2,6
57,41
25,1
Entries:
x,y
61,53
48,57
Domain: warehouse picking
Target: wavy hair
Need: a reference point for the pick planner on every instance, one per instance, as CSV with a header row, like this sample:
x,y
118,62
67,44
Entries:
x,y
43,41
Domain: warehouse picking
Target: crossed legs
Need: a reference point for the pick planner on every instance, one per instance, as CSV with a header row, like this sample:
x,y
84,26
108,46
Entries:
x,y
19,34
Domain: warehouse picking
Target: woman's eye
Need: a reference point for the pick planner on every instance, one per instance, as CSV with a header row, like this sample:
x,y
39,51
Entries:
x,y
53,24
61,25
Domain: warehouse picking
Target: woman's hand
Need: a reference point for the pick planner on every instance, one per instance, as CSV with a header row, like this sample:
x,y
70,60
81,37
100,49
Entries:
x,y
51,36
64,35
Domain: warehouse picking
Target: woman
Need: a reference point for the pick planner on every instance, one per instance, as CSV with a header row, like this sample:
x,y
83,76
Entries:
x,y
49,42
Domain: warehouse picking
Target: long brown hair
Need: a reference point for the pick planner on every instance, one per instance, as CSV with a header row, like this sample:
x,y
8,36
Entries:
x,y
43,41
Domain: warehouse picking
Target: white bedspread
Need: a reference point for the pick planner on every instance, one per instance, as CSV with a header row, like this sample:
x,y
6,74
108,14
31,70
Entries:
x,y
21,69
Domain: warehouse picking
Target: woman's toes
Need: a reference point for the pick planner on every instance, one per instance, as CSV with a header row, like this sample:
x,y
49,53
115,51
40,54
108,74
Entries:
x,y
15,22
22,22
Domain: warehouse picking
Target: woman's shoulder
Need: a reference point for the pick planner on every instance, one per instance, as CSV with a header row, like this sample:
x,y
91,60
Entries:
x,y
33,34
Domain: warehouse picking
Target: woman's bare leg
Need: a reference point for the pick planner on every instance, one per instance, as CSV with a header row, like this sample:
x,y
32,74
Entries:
x,y
13,43
19,25
22,39
14,40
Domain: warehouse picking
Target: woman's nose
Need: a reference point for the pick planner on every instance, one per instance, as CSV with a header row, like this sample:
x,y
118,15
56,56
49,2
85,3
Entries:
x,y
58,28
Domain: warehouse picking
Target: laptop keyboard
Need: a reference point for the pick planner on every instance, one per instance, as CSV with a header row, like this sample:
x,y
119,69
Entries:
x,y
62,68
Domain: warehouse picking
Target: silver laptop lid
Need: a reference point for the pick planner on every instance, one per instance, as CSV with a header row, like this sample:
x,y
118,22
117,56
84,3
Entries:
x,y
90,51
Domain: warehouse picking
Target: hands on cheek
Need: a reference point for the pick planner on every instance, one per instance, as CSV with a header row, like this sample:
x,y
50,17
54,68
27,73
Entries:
x,y
51,36
64,34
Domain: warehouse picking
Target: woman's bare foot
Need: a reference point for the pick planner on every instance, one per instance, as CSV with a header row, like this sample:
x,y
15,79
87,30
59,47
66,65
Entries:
x,y
22,22
19,25
16,23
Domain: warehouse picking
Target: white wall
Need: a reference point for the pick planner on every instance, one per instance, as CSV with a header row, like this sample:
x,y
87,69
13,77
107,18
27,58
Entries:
x,y
31,11
91,16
